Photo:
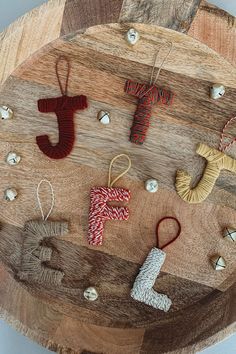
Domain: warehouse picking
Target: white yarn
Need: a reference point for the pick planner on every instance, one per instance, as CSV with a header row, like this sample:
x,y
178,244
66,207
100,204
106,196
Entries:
x,y
39,202
143,286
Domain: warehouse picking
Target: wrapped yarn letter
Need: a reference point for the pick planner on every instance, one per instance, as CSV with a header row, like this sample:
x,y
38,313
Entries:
x,y
148,96
143,286
64,108
100,211
35,252
217,161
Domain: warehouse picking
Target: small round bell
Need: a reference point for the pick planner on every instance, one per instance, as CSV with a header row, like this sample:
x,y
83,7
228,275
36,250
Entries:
x,y
229,234
151,185
217,91
104,117
6,112
10,194
90,294
13,159
218,262
132,36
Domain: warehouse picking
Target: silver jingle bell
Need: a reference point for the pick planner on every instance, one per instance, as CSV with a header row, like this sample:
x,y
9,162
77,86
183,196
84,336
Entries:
x,y
10,194
132,36
230,234
151,185
13,159
218,262
6,112
104,117
90,294
217,91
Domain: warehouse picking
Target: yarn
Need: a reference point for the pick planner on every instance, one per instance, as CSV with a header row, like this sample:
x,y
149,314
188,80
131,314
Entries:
x,y
35,252
143,286
147,95
64,107
100,211
216,162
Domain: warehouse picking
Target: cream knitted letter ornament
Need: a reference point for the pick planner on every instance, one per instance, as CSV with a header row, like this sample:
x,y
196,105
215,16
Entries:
x,y
143,285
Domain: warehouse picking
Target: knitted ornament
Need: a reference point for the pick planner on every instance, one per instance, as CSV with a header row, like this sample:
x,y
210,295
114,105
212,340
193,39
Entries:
x,y
35,252
217,161
100,211
64,108
147,95
143,286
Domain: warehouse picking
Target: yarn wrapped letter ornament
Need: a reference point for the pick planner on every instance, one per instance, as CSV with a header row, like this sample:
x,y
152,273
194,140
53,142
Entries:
x,y
64,107
143,286
100,211
148,96
35,251
217,161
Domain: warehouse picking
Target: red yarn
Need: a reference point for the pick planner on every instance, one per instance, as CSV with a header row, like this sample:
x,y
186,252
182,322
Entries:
x,y
157,230
100,211
147,97
64,107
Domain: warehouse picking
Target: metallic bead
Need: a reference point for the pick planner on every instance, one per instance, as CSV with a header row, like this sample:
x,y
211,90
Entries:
x,y
90,294
13,159
229,234
217,91
104,117
6,112
10,194
151,185
132,36
218,262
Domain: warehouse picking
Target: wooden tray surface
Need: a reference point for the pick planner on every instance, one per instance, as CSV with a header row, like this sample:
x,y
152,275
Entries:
x,y
101,62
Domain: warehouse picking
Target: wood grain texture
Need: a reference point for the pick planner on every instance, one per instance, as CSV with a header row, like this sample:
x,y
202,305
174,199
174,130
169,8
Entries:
x,y
24,37
216,28
199,293
176,14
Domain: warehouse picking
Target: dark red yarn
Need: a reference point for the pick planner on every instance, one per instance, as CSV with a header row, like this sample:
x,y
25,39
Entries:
x,y
147,95
157,231
64,107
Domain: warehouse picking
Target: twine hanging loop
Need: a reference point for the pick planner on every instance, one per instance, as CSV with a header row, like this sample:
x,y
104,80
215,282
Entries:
x,y
111,183
44,218
157,231
66,60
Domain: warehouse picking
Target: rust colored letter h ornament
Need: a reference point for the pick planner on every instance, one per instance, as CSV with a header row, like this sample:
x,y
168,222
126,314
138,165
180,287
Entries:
x,y
147,95
64,107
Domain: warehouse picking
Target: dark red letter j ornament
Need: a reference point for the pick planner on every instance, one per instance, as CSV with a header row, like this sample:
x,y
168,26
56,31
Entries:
x,y
64,108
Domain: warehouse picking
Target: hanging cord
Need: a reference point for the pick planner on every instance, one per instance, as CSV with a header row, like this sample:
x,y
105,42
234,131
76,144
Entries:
x,y
110,184
224,147
39,202
63,58
152,81
157,231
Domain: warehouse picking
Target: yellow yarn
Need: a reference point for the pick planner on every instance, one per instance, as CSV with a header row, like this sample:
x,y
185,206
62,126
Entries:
x,y
217,161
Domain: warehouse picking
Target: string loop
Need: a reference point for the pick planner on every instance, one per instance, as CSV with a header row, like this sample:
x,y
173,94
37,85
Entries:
x,y
157,231
110,184
39,202
224,147
152,81
63,58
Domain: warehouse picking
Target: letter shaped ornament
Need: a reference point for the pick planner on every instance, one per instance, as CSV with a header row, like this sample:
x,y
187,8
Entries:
x,y
35,251
143,286
217,161
148,96
100,211
64,107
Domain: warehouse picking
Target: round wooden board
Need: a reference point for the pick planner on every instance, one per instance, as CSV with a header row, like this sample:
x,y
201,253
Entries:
x,y
101,61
